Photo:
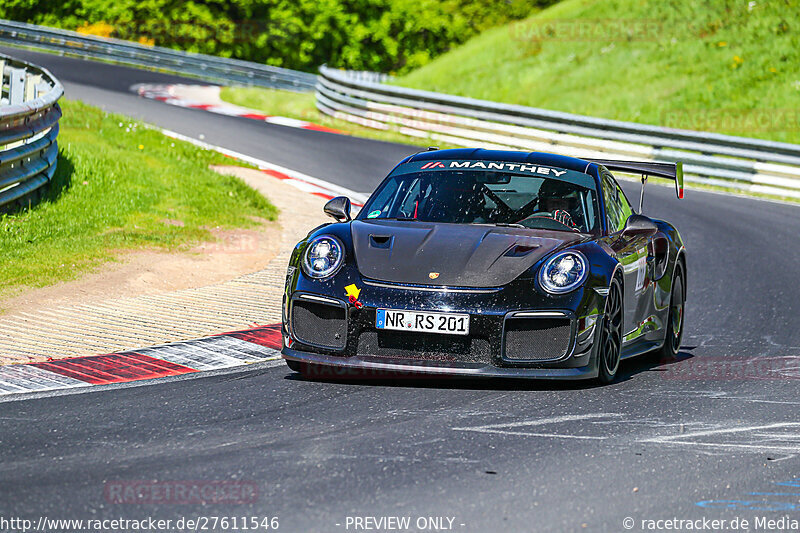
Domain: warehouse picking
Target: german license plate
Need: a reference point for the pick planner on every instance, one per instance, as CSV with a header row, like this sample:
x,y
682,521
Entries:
x,y
423,321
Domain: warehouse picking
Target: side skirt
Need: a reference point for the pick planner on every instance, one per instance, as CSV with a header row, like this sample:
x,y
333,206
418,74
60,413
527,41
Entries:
x,y
639,347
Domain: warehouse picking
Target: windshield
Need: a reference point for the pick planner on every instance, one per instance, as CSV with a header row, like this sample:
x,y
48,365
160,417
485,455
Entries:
x,y
566,202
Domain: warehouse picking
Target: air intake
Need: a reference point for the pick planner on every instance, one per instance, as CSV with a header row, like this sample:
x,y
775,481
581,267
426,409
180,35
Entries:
x,y
319,324
537,339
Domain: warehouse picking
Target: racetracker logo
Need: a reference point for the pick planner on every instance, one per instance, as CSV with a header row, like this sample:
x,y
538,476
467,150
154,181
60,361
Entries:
x,y
735,121
732,367
588,30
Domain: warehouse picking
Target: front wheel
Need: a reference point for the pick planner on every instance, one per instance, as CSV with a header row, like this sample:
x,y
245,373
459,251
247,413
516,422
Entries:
x,y
610,341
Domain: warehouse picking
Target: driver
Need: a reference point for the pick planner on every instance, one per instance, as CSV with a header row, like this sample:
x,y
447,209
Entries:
x,y
558,200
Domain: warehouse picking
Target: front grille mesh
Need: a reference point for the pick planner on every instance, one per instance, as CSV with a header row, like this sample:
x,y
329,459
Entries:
x,y
537,339
319,324
424,347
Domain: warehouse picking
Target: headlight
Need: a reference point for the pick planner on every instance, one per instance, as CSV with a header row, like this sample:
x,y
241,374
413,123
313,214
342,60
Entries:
x,y
563,272
323,256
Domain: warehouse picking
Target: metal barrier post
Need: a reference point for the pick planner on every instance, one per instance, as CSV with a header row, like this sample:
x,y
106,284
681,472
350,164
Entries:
x,y
16,86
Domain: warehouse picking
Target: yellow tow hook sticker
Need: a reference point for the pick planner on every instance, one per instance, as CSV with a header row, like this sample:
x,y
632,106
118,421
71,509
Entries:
x,y
353,293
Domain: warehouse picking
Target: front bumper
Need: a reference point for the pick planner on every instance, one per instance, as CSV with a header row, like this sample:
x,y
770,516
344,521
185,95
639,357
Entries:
x,y
344,338
353,359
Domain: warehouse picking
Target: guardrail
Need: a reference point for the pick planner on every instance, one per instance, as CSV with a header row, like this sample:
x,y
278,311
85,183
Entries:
x,y
211,68
752,165
29,114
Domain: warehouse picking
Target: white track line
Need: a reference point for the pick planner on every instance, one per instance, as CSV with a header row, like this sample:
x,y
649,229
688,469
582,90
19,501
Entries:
x,y
508,429
304,179
767,443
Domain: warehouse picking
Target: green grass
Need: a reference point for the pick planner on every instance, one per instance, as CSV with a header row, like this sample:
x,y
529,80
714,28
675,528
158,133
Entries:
x,y
120,186
725,66
301,106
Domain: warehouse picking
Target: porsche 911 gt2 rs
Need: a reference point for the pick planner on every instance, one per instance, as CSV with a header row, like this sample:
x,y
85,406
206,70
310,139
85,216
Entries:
x,y
475,263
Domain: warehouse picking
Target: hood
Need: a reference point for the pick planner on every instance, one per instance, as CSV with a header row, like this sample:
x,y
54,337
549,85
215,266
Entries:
x,y
464,255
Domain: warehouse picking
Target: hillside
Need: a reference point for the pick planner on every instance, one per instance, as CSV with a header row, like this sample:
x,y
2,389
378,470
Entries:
x,y
726,66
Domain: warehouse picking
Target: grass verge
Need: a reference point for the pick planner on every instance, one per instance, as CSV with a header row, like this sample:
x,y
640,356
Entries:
x,y
720,66
120,186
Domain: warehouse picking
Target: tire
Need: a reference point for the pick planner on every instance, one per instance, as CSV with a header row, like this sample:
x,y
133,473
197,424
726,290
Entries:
x,y
609,342
675,318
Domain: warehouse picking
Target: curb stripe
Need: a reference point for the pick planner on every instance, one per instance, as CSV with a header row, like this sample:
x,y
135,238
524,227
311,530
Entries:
x,y
36,378
192,358
150,364
76,371
7,387
307,186
269,336
113,368
164,93
237,348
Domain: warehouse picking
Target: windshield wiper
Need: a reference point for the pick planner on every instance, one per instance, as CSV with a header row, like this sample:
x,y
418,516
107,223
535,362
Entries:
x,y
402,219
508,225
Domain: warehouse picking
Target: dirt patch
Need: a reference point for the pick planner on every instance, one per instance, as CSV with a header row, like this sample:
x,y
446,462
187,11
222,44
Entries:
x,y
232,253
137,273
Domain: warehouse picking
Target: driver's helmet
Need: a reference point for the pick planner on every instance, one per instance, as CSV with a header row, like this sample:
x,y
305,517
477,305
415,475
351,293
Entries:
x,y
559,198
557,189
558,192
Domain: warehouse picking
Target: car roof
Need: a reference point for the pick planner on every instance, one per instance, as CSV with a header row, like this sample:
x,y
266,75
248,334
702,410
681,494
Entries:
x,y
481,154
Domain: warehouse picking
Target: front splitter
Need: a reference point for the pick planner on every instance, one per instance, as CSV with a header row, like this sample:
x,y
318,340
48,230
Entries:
x,y
357,367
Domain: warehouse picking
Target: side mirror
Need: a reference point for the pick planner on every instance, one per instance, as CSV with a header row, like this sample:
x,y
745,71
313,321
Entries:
x,y
338,208
639,225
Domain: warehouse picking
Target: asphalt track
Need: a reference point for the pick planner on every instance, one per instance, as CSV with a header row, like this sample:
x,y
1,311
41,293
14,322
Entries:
x,y
714,435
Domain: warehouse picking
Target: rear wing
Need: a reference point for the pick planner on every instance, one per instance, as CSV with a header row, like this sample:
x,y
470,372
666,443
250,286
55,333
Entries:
x,y
673,171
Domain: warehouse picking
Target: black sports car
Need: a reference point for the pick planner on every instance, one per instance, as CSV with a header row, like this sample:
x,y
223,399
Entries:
x,y
488,263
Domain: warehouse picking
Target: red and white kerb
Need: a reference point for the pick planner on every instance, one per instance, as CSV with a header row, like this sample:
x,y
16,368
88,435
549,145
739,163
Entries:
x,y
222,351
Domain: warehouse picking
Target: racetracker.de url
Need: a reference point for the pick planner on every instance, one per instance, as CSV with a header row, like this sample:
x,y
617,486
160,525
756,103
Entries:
x,y
757,523
197,523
